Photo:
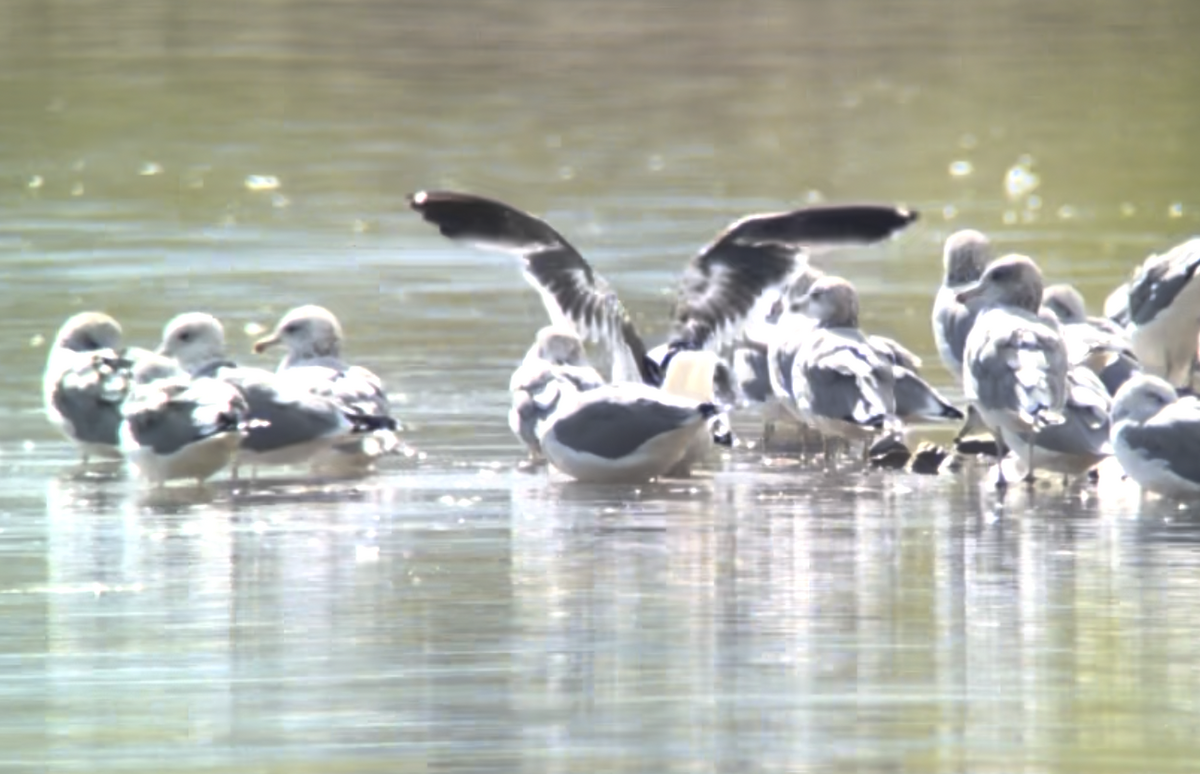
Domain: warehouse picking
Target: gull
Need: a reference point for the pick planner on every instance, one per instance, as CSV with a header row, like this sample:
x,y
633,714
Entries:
x,y
1014,362
176,427
1095,342
557,354
1080,441
293,424
312,338
964,257
720,287
625,432
787,328
1156,436
839,384
1163,299
87,377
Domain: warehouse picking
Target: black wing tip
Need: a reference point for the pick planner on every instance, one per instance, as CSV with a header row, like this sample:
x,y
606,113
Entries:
x,y
369,423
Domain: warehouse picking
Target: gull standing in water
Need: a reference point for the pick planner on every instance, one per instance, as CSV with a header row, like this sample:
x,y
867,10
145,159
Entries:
x,y
1156,437
312,338
839,384
720,288
176,427
87,377
1014,362
1162,300
786,331
292,423
965,254
964,257
556,355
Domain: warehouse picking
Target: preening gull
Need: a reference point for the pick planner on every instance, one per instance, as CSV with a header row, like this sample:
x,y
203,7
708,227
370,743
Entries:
x,y
87,377
839,384
1096,342
625,432
964,257
1015,362
556,354
1163,299
177,427
1156,436
293,423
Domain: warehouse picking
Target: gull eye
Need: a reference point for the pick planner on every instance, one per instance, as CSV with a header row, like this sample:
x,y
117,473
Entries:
x,y
291,328
185,335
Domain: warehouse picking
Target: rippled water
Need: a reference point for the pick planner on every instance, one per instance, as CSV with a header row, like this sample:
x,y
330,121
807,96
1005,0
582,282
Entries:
x,y
450,613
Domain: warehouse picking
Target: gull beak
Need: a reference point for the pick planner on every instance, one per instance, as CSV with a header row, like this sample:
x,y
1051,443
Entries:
x,y
969,292
263,344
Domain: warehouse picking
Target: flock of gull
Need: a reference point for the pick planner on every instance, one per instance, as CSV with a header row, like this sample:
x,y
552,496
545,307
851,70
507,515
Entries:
x,y
755,322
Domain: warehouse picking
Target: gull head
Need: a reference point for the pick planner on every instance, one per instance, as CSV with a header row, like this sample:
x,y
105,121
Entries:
x,y
154,367
1065,303
88,332
964,257
1141,398
560,346
1013,280
832,302
306,332
193,339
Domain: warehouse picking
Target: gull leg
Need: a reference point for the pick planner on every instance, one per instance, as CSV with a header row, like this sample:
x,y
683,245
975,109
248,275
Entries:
x,y
1002,450
1029,478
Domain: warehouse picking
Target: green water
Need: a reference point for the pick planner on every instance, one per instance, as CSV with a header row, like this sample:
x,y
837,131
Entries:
x,y
452,614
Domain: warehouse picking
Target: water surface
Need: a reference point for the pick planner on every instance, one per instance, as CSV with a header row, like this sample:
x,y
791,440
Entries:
x,y
452,613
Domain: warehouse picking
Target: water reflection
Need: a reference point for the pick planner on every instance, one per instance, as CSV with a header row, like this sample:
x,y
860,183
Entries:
x,y
452,613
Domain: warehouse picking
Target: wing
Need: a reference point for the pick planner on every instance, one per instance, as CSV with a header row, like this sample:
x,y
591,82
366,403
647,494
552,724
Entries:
x,y
1016,363
1086,426
1172,436
614,427
1160,279
846,380
571,292
726,279
86,389
355,388
917,399
166,426
894,352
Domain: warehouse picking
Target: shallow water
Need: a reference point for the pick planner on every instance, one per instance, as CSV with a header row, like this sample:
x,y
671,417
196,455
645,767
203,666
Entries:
x,y
452,613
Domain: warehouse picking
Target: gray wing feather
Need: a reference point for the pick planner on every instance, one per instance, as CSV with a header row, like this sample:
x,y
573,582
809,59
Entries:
x,y
88,392
844,378
616,428
1016,363
169,418
1160,279
287,415
1087,410
1173,436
